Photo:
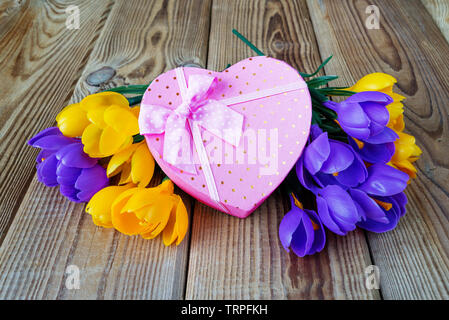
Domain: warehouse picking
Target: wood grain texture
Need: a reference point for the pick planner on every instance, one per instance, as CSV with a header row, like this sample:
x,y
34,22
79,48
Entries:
x,y
413,259
439,10
139,41
40,62
243,259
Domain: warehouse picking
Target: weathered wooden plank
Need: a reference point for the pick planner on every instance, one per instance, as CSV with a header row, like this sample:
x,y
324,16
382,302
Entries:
x,y
439,10
139,41
413,259
40,62
243,259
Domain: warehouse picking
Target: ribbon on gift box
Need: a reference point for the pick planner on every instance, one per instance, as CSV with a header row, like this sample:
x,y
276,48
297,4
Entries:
x,y
181,124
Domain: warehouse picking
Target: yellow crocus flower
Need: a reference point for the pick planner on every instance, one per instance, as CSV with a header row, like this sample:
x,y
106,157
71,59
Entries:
x,y
105,122
396,111
149,211
377,81
405,154
99,206
406,150
72,120
135,163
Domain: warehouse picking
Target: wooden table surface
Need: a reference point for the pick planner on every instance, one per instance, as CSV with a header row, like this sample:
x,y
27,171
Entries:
x,y
44,66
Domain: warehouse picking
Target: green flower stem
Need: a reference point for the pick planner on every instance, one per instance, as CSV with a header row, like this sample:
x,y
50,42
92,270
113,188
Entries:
x,y
138,138
131,89
134,100
309,75
247,42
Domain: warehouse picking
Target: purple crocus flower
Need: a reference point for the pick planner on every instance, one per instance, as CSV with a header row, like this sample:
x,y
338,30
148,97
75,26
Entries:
x,y
342,210
394,209
63,162
302,231
374,153
345,189
329,162
364,116
337,209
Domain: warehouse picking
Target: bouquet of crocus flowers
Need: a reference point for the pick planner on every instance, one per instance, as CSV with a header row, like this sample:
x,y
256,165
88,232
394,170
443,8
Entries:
x,y
352,172
355,167
96,155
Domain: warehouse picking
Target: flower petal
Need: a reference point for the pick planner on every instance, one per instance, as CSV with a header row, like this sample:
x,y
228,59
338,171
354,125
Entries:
x,y
74,156
341,207
353,120
90,181
302,239
392,215
52,142
320,234
377,112
70,192
306,179
96,116
100,204
374,153
121,120
289,224
67,175
384,180
354,175
142,166
124,221
72,120
111,141
340,157
371,209
52,131
323,212
120,158
106,98
182,220
91,141
158,215
385,136
374,82
47,171
316,153
373,96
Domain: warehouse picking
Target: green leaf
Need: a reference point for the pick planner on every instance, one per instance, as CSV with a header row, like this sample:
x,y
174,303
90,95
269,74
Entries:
x,y
316,117
308,75
132,89
134,100
335,92
320,81
247,42
317,95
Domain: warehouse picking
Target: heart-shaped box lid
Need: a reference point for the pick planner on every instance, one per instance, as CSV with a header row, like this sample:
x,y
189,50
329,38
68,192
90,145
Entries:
x,y
275,131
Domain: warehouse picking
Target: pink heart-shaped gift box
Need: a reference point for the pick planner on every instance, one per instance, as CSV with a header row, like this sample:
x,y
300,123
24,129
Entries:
x,y
275,129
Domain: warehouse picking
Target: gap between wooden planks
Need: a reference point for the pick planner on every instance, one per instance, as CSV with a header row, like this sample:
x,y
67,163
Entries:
x,y
413,259
139,40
